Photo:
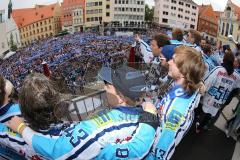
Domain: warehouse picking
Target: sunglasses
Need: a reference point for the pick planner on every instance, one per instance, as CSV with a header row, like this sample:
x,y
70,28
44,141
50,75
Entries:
x,y
106,82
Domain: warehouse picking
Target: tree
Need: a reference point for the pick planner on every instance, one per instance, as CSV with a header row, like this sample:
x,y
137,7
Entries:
x,y
13,46
149,13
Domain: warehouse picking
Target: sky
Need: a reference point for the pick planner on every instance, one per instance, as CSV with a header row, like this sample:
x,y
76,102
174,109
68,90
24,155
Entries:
x,y
217,4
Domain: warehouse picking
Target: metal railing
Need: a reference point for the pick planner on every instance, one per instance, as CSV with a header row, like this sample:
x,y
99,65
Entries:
x,y
81,107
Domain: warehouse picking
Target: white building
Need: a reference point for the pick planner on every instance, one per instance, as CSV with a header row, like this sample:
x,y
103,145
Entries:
x,y
3,36
129,12
229,24
12,30
78,19
176,13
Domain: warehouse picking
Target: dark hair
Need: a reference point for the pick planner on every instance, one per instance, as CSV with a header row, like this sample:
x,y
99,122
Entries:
x,y
2,90
228,62
196,35
177,34
41,104
207,49
161,40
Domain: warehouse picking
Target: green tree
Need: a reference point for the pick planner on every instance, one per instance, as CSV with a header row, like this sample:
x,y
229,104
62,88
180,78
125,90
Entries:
x,y
13,46
149,13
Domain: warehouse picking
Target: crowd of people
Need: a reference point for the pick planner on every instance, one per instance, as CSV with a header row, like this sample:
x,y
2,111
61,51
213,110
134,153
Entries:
x,y
150,111
70,56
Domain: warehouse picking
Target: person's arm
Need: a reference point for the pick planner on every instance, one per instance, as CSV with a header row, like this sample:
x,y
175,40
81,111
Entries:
x,y
145,49
16,142
57,147
140,141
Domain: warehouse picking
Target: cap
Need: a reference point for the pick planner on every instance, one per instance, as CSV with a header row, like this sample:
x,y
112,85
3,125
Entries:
x,y
129,81
168,51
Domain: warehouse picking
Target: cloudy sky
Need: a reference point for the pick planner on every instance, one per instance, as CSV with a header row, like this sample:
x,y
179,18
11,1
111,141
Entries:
x,y
217,4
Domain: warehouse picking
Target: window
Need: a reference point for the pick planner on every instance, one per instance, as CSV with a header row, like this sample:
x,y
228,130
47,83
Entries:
x,y
165,6
188,5
180,9
180,16
181,3
165,13
173,8
231,30
192,26
107,6
174,1
50,27
187,18
107,14
227,28
192,19
194,7
164,20
96,4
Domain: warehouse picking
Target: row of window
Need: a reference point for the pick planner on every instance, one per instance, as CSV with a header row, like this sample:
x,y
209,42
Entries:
x,y
165,20
40,30
132,17
77,21
90,4
179,9
179,16
38,38
71,7
77,13
227,31
37,24
123,9
94,11
129,2
182,4
94,19
211,25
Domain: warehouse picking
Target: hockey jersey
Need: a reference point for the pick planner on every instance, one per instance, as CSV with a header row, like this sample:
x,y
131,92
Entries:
x,y
85,139
218,87
176,113
10,140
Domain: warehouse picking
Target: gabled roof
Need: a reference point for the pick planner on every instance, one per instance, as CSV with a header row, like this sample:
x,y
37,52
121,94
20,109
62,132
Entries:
x,y
207,11
26,16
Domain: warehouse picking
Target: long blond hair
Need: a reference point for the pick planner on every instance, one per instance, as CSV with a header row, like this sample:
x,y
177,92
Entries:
x,y
190,64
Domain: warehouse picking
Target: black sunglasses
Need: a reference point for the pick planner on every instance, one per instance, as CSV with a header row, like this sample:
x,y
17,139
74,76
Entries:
x,y
106,82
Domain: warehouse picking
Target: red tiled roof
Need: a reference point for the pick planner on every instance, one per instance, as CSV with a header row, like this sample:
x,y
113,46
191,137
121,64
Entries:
x,y
207,11
236,10
26,16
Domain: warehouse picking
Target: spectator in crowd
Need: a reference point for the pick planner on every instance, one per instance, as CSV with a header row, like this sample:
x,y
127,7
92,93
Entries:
x,y
9,109
177,36
217,91
207,52
157,70
84,140
194,38
203,42
218,54
176,109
